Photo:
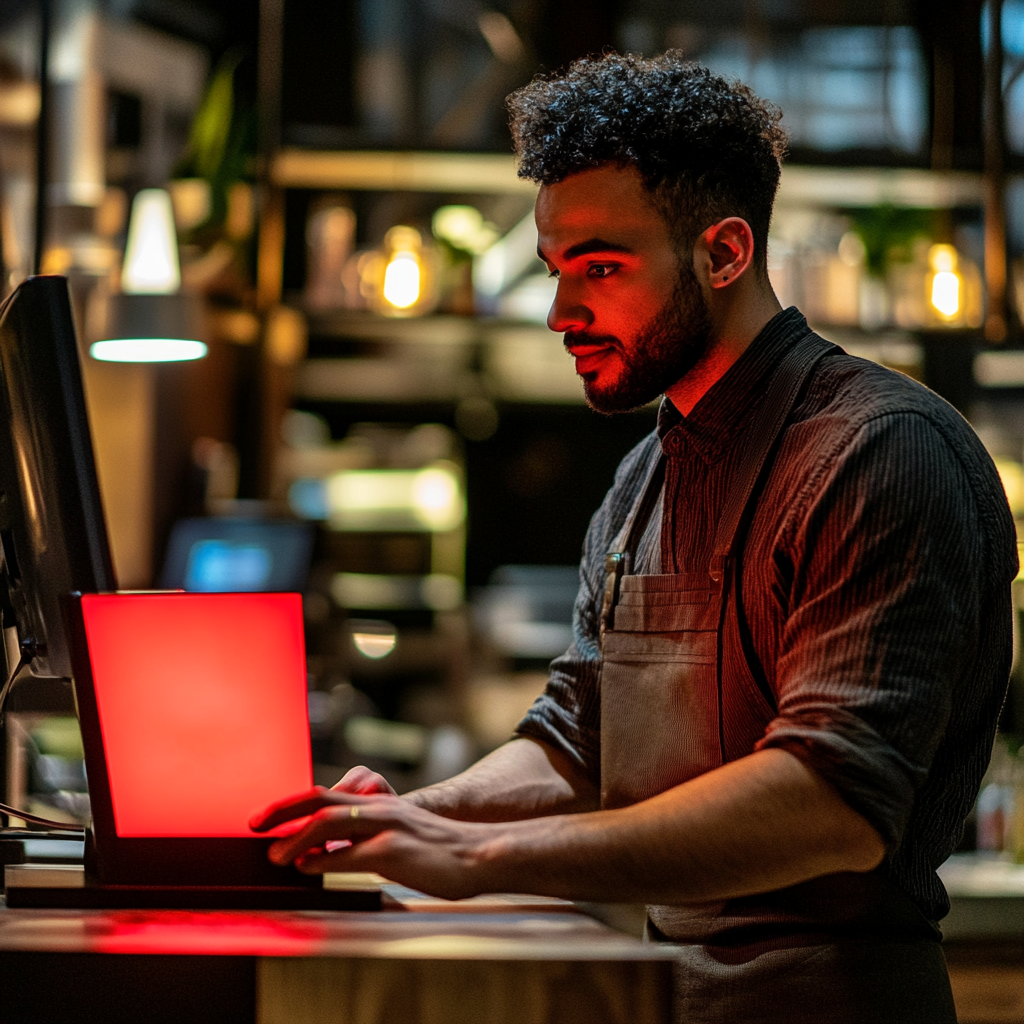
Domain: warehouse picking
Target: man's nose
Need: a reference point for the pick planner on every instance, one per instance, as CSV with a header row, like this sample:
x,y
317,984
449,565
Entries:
x,y
568,312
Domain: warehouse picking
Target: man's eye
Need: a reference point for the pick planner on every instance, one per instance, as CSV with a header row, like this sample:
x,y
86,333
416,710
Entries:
x,y
601,269
553,273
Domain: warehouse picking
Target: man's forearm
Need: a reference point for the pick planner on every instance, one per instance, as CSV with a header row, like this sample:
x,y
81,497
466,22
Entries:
x,y
756,825
522,779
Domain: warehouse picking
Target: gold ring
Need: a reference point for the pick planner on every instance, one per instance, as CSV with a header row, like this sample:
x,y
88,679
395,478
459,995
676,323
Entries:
x,y
353,811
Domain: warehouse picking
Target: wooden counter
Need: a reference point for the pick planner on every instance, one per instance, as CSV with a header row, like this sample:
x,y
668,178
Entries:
x,y
519,960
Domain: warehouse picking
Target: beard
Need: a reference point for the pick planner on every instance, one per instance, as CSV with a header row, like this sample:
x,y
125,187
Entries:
x,y
664,350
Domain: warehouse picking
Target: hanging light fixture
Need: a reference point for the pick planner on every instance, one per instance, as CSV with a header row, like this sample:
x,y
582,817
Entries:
x,y
150,320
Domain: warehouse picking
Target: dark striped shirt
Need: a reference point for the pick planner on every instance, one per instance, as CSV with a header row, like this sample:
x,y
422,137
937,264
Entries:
x,y
875,586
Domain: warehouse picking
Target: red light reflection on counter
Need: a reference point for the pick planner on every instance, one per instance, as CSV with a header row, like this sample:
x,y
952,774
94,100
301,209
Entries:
x,y
208,934
202,705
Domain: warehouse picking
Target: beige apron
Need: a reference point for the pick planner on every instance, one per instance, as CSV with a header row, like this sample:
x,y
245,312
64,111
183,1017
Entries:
x,y
676,702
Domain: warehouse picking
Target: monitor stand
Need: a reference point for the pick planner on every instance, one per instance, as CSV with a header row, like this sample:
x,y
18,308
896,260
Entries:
x,y
83,887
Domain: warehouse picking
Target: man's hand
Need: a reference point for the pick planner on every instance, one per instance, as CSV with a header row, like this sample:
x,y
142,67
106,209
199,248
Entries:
x,y
364,782
380,833
764,822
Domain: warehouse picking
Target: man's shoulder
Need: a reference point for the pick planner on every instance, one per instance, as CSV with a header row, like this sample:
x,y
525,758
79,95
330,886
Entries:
x,y
874,420
849,394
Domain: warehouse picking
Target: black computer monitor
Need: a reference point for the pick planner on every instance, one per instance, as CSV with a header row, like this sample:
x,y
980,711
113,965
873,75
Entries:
x,y
56,561
52,530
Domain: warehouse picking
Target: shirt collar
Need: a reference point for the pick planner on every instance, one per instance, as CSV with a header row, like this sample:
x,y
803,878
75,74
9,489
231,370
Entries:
x,y
718,417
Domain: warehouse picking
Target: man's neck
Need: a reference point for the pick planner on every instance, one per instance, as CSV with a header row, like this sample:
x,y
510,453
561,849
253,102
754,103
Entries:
x,y
736,325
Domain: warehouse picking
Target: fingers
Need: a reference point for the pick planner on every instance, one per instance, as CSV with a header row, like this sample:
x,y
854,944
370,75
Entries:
x,y
319,862
298,806
331,825
365,782
359,781
295,806
347,858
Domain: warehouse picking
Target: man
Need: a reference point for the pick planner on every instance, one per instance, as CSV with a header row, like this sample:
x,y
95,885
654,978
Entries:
x,y
792,636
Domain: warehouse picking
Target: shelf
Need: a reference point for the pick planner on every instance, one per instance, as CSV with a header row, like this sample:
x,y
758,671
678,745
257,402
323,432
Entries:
x,y
437,329
437,359
448,358
877,186
495,173
490,173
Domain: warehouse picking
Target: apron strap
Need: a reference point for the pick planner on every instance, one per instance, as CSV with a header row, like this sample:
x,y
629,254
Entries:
x,y
782,391
650,489
617,559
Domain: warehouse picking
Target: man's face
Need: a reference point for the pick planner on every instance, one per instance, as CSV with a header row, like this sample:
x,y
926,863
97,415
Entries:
x,y
632,312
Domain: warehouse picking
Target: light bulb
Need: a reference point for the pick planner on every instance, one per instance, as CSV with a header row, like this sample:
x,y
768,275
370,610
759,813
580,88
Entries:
x,y
946,284
946,293
402,280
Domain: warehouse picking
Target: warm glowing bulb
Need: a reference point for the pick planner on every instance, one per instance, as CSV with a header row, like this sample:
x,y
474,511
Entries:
x,y
946,293
402,280
151,255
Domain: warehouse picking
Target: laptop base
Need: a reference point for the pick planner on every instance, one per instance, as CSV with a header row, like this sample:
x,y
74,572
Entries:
x,y
175,897
69,887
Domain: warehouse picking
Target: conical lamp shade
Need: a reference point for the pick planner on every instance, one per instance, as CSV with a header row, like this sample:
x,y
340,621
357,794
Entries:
x,y
151,320
151,255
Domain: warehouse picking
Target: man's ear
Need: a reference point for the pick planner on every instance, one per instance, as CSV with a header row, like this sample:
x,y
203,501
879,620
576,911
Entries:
x,y
728,251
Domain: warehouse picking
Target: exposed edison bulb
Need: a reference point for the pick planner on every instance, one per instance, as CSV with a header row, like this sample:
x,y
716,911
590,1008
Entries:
x,y
403,275
946,283
151,255
946,293
402,280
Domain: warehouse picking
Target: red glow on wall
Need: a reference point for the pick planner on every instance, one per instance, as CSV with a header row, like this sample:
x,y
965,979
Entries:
x,y
202,706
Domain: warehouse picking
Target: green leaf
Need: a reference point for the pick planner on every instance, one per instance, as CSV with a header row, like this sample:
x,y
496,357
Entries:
x,y
211,128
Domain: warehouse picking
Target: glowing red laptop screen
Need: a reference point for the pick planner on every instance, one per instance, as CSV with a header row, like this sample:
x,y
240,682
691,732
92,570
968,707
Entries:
x,y
202,706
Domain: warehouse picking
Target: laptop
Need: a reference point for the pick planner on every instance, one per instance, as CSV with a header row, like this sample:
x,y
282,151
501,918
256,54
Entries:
x,y
194,716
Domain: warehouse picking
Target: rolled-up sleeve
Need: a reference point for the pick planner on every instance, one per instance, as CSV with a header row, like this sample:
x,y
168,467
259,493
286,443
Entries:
x,y
889,583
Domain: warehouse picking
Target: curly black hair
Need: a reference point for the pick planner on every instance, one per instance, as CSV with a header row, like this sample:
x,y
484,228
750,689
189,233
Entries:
x,y
706,148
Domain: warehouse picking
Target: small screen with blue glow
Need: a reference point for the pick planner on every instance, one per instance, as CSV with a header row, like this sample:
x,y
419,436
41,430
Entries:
x,y
211,555
220,565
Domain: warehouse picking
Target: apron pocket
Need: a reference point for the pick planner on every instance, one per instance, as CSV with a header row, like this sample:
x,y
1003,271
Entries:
x,y
659,713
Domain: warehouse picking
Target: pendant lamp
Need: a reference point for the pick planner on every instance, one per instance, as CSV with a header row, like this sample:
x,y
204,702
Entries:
x,y
150,320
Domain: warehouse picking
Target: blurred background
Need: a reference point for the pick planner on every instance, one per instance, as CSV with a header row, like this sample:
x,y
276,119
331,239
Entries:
x,y
312,318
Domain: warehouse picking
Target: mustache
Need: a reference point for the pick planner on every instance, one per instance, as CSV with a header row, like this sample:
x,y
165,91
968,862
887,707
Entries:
x,y
572,338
